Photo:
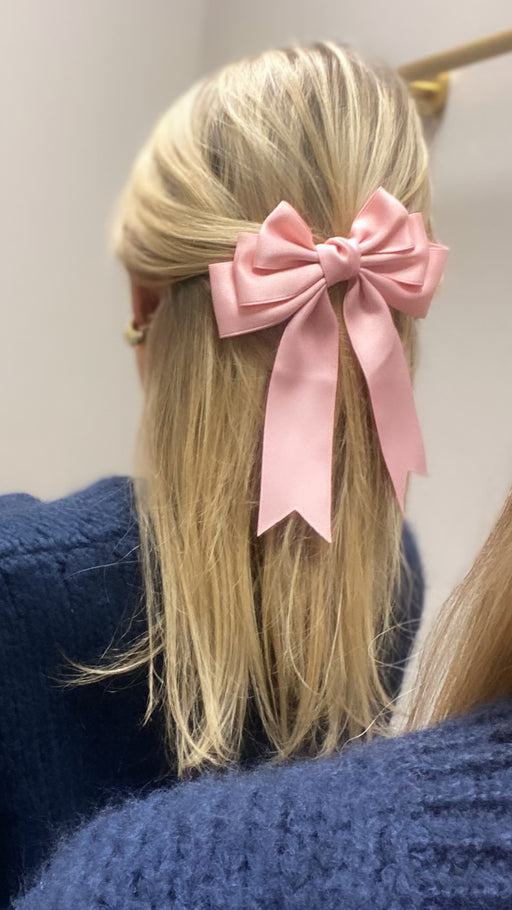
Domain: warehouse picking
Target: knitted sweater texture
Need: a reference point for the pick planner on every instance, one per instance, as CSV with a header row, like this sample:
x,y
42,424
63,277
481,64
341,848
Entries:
x,y
70,586
409,824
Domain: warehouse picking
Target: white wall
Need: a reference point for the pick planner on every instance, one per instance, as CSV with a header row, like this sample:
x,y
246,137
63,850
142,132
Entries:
x,y
464,383
82,81
398,31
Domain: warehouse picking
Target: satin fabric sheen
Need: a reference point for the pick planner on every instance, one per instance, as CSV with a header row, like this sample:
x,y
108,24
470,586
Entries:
x,y
279,274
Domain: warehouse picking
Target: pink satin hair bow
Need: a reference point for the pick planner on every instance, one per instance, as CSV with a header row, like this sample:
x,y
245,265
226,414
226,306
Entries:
x,y
280,274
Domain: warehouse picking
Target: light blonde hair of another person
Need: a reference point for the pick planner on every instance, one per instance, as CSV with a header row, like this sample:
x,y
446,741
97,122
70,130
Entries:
x,y
285,625
467,659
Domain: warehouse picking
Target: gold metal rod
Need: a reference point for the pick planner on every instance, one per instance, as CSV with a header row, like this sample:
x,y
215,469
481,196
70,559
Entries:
x,y
459,56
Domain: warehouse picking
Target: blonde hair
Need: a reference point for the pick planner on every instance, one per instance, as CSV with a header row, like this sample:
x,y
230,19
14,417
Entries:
x,y
285,624
467,659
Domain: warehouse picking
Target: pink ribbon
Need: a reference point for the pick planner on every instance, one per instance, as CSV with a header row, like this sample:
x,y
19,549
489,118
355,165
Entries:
x,y
280,274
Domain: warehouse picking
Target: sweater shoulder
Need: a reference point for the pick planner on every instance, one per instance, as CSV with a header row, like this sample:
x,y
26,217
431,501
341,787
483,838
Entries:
x,y
418,821
102,512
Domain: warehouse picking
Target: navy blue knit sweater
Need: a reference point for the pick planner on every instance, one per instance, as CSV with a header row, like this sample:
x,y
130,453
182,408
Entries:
x,y
70,586
408,824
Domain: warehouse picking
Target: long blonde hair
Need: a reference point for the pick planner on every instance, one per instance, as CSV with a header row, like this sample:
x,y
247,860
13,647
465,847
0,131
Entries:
x,y
285,624
467,658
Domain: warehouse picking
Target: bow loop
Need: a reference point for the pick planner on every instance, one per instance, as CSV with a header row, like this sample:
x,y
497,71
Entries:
x,y
284,241
279,275
383,225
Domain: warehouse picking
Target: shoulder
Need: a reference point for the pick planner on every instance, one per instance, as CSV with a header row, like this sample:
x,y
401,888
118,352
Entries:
x,y
447,767
101,512
422,820
61,560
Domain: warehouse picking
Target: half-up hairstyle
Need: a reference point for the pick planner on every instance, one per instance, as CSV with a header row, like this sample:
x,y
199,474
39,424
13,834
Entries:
x,y
284,624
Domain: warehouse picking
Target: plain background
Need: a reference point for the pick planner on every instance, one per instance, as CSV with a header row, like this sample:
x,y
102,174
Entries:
x,y
82,82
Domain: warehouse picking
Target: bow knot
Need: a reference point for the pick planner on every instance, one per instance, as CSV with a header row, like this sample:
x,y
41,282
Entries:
x,y
340,259
279,275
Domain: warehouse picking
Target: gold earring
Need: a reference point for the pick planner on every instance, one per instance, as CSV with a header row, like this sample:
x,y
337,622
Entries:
x,y
134,335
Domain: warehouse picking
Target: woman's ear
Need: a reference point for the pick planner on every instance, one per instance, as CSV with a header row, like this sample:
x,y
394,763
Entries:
x,y
144,303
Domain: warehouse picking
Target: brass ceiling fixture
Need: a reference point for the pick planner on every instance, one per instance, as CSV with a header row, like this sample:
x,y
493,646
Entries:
x,y
429,80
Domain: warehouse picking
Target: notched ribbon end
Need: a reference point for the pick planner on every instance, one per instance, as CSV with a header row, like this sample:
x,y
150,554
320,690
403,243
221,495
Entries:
x,y
265,524
400,483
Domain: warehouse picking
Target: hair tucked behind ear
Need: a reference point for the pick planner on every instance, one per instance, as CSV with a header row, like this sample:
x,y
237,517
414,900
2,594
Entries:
x,y
286,621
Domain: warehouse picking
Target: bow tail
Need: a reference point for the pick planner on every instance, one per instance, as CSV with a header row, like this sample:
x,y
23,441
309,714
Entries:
x,y
299,420
378,348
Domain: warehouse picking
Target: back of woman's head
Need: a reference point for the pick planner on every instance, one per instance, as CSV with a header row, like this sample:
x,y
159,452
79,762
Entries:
x,y
285,621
